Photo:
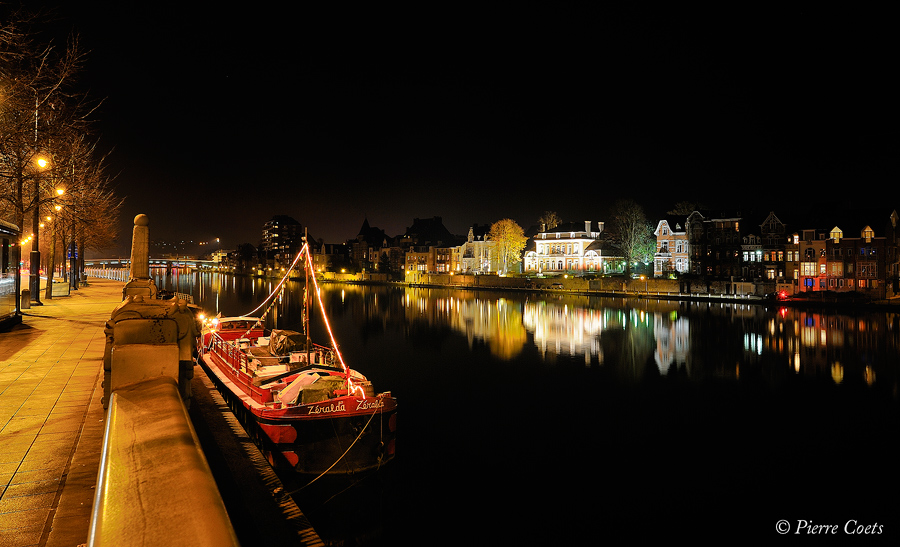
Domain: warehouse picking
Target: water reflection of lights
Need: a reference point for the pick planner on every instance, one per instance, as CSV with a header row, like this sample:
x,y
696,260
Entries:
x,y
672,335
753,342
561,330
498,323
733,340
837,372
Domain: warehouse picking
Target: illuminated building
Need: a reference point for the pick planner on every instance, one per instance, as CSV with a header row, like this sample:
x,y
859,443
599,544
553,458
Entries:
x,y
569,247
478,254
281,239
671,248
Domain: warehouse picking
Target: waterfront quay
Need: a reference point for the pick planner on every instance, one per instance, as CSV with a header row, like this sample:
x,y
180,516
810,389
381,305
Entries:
x,y
52,429
52,417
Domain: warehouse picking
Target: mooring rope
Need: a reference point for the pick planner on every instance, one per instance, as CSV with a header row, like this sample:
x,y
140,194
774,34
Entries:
x,y
322,474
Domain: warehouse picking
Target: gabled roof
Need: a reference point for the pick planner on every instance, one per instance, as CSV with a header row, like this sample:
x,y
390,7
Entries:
x,y
675,224
479,231
431,232
371,235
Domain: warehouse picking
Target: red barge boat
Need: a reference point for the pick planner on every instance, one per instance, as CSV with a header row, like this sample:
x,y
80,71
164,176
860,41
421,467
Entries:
x,y
305,408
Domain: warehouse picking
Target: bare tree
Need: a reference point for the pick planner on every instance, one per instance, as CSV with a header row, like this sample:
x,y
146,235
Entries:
x,y
44,127
549,220
685,208
39,110
90,206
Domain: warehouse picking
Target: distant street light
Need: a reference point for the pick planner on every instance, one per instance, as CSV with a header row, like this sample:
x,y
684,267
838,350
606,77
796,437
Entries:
x,y
51,266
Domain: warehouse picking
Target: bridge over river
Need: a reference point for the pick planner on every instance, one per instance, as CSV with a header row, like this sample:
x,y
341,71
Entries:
x,y
168,263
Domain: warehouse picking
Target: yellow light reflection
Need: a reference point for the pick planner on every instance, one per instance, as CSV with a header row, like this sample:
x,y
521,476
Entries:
x,y
870,375
837,372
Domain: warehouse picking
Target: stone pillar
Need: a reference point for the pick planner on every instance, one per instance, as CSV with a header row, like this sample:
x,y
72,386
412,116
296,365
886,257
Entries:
x,y
140,248
146,338
140,284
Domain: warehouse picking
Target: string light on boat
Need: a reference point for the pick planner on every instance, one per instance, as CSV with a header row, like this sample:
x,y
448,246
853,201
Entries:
x,y
352,388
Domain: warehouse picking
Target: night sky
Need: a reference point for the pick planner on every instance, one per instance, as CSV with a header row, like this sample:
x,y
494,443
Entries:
x,y
221,118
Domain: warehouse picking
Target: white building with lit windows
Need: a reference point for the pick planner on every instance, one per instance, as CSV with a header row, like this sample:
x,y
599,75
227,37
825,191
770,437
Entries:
x,y
571,247
672,254
478,255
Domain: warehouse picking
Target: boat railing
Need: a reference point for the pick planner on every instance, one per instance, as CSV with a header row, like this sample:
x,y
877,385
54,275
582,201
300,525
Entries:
x,y
229,351
324,355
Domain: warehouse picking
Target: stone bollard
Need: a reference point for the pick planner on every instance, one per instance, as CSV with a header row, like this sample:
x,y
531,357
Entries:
x,y
141,283
147,339
25,302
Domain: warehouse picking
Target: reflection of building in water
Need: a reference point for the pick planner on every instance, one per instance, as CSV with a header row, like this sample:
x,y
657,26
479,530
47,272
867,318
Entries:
x,y
498,323
843,348
565,330
672,335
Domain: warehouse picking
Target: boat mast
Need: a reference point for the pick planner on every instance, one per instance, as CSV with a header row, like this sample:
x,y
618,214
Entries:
x,y
306,295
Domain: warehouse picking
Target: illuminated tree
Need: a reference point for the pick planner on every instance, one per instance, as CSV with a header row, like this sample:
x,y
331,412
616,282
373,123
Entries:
x,y
630,231
510,240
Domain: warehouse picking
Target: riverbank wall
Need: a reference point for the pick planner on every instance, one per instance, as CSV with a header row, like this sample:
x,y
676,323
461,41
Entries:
x,y
670,289
608,285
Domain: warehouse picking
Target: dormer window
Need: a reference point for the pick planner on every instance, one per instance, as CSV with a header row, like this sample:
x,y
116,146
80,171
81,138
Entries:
x,y
836,234
868,234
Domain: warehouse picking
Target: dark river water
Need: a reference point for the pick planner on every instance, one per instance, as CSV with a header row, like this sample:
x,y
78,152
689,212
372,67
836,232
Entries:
x,y
566,420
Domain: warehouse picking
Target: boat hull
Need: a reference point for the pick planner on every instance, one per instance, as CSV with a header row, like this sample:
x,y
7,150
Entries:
x,y
344,435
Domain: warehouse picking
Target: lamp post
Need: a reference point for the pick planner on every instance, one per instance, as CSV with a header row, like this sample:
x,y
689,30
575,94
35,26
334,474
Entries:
x,y
34,278
51,266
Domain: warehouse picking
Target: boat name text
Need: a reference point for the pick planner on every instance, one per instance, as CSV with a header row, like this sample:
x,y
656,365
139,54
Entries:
x,y
333,407
369,404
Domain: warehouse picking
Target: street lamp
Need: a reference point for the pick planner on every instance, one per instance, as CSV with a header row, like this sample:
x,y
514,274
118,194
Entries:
x,y
34,277
51,266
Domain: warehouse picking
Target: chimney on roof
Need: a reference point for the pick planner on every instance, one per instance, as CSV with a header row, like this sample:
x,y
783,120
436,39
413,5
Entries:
x,y
587,226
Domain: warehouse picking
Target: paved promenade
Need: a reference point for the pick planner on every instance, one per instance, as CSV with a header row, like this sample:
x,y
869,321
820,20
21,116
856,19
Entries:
x,y
52,423
51,418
